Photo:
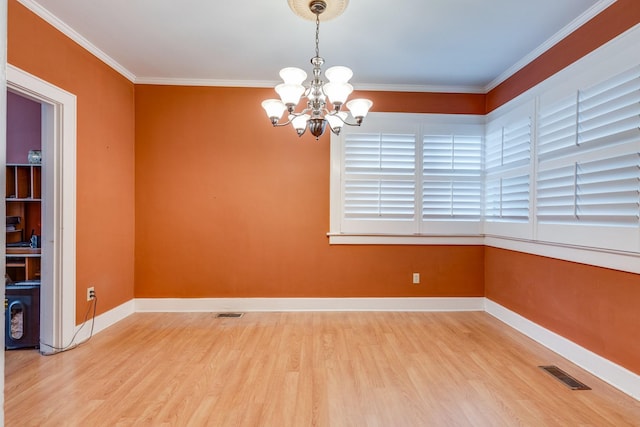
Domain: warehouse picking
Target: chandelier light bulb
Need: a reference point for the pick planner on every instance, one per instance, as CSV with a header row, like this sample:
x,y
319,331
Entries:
x,y
290,93
337,93
293,75
336,121
300,123
359,108
274,109
338,74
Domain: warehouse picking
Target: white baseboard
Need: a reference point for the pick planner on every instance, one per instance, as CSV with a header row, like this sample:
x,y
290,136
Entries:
x,y
307,304
616,375
104,320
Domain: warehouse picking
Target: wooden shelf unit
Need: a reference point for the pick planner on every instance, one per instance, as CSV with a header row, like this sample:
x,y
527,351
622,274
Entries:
x,y
23,200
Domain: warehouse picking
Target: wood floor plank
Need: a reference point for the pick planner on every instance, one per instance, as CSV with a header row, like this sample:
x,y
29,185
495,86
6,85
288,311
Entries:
x,y
306,369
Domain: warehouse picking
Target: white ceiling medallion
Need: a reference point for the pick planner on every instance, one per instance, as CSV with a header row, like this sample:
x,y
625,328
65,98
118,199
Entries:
x,y
333,8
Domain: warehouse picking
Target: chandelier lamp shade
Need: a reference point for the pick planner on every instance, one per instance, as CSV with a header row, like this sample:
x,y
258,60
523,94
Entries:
x,y
322,102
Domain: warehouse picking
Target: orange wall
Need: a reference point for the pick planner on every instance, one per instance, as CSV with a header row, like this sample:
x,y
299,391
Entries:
x,y
613,21
228,206
424,102
594,307
105,153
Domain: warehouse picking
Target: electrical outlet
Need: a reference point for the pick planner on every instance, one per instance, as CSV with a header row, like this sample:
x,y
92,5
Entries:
x,y
91,293
416,278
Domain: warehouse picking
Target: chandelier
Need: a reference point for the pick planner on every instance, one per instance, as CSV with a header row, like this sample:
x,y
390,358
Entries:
x,y
324,101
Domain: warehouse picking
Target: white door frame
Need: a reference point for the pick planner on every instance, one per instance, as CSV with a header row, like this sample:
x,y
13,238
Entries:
x,y
58,264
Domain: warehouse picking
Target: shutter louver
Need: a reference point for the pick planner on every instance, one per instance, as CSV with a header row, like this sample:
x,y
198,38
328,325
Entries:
x,y
452,170
493,149
380,154
515,198
517,144
557,194
603,115
371,199
507,182
610,112
507,198
609,191
492,196
598,192
379,176
557,126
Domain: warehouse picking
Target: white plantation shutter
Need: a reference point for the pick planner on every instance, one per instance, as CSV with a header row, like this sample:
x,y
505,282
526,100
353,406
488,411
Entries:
x,y
557,127
608,191
556,194
508,198
589,172
379,198
379,179
600,182
517,144
609,113
605,114
508,159
492,197
452,168
597,192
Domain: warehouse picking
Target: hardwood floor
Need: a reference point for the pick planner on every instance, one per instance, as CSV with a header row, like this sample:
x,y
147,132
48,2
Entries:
x,y
306,369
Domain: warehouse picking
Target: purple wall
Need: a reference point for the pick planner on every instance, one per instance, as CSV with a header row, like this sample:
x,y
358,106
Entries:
x,y
23,127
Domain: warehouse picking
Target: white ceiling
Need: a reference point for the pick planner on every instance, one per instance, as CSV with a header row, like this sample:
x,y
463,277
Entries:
x,y
466,45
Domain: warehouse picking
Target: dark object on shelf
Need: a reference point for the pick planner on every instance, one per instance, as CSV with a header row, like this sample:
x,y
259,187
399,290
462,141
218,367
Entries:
x,y
34,241
35,157
12,220
22,316
19,245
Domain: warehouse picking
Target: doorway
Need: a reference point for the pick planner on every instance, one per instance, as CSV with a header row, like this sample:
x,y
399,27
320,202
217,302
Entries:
x,y
58,239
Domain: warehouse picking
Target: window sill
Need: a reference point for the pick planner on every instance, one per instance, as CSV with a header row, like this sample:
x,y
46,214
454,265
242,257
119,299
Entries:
x,y
400,239
617,260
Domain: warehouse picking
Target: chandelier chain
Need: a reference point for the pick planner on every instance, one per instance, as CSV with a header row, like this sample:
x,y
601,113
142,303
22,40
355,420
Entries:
x,y
317,34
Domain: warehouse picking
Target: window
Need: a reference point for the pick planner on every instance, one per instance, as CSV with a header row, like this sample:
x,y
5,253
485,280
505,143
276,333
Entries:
x,y
507,173
409,174
379,181
452,168
588,181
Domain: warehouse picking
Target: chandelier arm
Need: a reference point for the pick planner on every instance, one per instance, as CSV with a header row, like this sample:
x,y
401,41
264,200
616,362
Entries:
x,y
292,116
278,124
335,114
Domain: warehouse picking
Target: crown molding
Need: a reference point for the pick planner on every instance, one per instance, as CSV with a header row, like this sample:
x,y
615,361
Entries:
x,y
76,37
270,84
421,88
171,81
560,35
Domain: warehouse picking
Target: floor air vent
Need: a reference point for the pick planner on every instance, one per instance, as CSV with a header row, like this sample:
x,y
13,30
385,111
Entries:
x,y
231,315
567,379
